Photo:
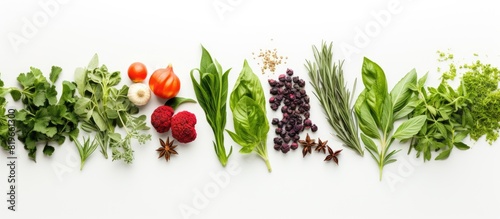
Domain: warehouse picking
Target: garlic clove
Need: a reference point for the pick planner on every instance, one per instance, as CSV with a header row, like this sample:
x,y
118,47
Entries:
x,y
139,94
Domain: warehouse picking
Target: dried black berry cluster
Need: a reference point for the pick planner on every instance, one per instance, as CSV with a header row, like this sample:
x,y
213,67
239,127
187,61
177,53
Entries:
x,y
290,91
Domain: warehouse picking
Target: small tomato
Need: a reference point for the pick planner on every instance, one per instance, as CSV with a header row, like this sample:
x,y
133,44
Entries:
x,y
164,83
137,72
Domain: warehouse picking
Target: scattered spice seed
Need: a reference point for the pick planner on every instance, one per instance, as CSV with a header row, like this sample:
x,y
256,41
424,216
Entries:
x,y
269,60
333,155
167,148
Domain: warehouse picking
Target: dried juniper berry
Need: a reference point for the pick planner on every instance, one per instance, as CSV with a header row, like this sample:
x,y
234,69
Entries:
x,y
275,121
285,148
278,140
277,147
314,128
282,77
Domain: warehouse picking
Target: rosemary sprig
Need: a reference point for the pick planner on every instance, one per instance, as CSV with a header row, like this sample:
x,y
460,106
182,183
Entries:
x,y
327,79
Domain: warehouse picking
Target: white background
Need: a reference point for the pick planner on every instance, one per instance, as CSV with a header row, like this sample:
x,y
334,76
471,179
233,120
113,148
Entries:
x,y
400,35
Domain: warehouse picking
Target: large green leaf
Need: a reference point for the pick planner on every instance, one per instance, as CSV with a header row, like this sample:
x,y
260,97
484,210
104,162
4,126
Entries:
x,y
54,73
409,128
247,84
387,119
376,85
370,146
94,62
366,122
206,60
401,93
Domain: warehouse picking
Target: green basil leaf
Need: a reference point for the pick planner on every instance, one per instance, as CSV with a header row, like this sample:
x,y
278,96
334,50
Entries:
x,y
370,146
441,128
387,120
461,146
246,150
407,109
367,123
376,85
247,84
359,102
432,110
444,154
422,80
400,94
409,128
460,136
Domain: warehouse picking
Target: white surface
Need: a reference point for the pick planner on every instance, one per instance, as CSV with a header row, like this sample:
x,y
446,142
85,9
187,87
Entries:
x,y
121,32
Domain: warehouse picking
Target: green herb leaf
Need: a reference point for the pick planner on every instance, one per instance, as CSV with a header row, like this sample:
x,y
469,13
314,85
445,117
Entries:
x,y
400,94
177,101
54,74
367,123
376,86
409,128
81,80
443,155
48,150
211,93
43,119
461,146
247,102
103,108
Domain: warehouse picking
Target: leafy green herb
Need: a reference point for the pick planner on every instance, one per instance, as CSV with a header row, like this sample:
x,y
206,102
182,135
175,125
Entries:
x,y
86,149
377,110
44,119
327,79
211,93
248,104
177,101
102,108
448,119
4,126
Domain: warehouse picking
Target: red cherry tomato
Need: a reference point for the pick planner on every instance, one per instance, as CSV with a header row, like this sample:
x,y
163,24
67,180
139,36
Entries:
x,y
137,72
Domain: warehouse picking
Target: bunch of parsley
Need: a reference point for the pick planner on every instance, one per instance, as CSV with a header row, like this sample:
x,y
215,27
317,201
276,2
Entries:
x,y
44,119
4,127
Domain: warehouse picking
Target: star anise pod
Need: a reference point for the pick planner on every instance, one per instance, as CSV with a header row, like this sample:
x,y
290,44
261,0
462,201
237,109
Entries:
x,y
321,146
167,148
333,155
307,144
